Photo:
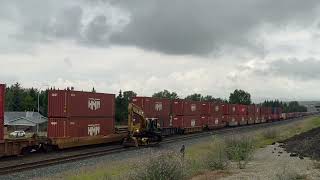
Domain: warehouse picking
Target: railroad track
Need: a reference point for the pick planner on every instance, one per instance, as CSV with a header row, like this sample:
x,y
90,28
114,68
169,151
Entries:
x,y
118,149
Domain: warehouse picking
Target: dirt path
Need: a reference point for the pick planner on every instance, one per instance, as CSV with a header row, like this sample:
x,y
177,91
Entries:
x,y
271,163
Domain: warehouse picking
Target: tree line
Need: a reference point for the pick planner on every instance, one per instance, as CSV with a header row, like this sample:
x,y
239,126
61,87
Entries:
x,y
287,107
26,99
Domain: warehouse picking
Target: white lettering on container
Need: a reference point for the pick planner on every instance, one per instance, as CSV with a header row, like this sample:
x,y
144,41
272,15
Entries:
x,y
93,129
193,123
158,106
216,121
94,104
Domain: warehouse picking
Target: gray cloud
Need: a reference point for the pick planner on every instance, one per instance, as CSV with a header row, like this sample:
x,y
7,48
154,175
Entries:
x,y
198,27
293,68
172,27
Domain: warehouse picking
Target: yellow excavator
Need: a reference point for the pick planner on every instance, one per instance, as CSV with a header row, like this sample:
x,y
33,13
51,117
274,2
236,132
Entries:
x,y
141,131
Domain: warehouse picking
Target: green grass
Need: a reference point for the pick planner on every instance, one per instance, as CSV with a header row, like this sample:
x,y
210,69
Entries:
x,y
196,155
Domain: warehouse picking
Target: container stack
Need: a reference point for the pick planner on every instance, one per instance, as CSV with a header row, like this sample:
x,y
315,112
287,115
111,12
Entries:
x,y
257,114
215,117
251,113
243,114
2,95
74,114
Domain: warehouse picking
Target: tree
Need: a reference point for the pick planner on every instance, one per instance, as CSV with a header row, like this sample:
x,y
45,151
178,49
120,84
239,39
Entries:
x,y
122,102
166,94
240,97
194,97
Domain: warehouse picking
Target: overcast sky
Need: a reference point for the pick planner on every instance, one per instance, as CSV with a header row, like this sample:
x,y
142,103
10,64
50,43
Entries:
x,y
266,47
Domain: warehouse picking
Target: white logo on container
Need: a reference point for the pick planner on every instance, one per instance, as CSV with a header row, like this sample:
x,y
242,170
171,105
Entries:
x,y
193,107
217,108
233,109
93,129
158,106
193,123
94,104
216,121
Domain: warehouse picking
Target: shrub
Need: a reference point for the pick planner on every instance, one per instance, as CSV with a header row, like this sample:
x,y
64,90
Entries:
x,y
165,166
217,158
240,149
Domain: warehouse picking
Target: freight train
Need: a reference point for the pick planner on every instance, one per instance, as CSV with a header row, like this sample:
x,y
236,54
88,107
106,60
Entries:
x,y
84,118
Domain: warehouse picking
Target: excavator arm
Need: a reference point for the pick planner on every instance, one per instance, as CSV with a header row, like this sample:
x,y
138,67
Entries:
x,y
141,131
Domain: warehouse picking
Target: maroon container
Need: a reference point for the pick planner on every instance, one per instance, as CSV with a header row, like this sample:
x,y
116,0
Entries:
x,y
191,121
205,108
212,122
191,108
232,109
177,107
217,108
144,103
225,109
79,127
251,110
2,98
243,119
257,110
251,119
242,109
232,120
177,121
64,103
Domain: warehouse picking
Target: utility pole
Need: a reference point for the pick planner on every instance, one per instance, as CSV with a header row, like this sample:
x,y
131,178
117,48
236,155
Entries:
x,y
38,112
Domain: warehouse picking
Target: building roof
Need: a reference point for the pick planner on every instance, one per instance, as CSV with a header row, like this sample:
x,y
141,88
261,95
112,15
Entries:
x,y
23,118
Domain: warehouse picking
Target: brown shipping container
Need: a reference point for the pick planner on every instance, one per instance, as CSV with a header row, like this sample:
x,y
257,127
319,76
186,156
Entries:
x,y
79,127
191,108
257,110
225,109
64,103
232,108
177,107
233,120
2,97
191,121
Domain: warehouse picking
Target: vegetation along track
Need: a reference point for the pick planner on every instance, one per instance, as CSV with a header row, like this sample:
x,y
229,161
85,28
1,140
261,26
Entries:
x,y
117,149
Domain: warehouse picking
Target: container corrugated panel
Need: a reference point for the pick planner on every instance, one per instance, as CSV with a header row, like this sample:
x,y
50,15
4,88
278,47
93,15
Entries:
x,y
233,120
251,109
63,103
205,108
251,119
177,107
2,97
242,109
225,109
217,108
79,127
191,121
212,121
177,121
164,121
191,108
232,108
257,110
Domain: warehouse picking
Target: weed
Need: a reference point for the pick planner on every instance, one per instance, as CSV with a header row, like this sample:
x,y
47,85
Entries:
x,y
240,149
217,158
161,167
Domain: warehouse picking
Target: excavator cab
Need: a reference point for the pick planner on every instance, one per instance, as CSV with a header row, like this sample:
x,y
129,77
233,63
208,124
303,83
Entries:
x,y
141,131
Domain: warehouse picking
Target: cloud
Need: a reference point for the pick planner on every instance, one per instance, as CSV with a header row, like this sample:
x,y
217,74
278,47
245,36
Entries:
x,y
193,27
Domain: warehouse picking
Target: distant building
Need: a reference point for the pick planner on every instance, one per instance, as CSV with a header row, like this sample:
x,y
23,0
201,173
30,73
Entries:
x,y
27,121
312,106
